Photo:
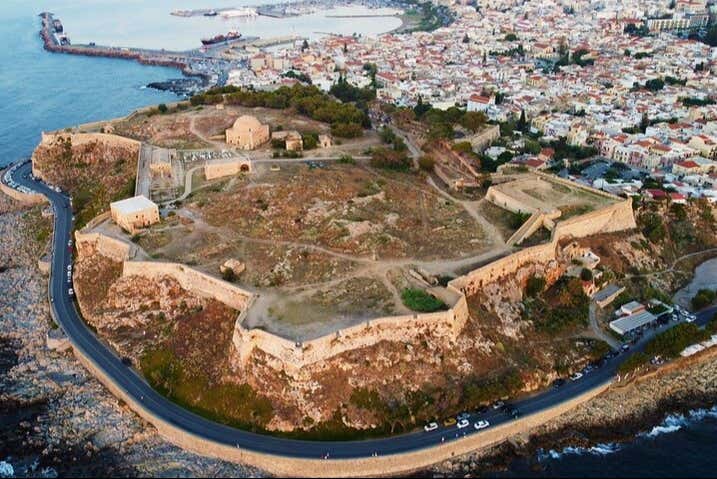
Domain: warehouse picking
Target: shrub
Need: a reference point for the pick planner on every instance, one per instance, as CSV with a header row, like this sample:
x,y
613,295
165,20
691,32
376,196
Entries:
x,y
586,274
535,286
703,298
634,362
347,159
482,391
419,300
426,163
670,343
346,130
310,140
390,159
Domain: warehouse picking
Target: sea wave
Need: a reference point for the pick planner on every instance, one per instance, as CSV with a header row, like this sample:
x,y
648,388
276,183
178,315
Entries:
x,y
675,422
6,469
602,449
671,423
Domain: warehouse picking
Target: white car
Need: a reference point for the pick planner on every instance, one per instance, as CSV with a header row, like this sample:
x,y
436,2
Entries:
x,y
462,423
576,376
431,426
70,292
481,425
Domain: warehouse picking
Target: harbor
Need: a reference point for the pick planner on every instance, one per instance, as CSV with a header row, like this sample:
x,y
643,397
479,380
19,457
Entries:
x,y
204,66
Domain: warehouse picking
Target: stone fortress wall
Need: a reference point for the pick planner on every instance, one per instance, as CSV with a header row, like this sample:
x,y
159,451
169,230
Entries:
x,y
614,217
85,138
192,280
291,357
82,139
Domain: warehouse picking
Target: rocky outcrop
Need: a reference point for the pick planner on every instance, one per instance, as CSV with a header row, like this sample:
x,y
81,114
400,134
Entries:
x,y
57,419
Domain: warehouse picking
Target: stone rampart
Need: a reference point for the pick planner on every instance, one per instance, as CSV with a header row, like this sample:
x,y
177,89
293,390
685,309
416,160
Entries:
x,y
89,243
192,280
85,138
82,139
291,357
614,217
220,168
498,197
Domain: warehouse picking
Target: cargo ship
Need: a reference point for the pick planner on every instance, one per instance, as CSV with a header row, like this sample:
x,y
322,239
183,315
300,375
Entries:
x,y
232,35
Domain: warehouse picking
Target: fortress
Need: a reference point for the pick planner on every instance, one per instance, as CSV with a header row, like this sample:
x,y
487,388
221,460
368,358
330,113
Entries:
x,y
293,357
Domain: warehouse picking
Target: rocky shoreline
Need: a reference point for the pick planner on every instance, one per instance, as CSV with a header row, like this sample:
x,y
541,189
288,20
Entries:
x,y
616,416
55,418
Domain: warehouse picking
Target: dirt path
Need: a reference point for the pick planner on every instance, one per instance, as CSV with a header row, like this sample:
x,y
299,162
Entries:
x,y
672,268
193,129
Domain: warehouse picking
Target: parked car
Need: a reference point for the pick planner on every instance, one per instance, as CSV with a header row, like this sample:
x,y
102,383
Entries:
x,y
576,376
482,410
512,411
462,416
450,422
431,426
463,423
71,292
126,361
481,425
498,404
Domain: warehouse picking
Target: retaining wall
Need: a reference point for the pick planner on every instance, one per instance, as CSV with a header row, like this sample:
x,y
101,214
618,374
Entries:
x,y
26,198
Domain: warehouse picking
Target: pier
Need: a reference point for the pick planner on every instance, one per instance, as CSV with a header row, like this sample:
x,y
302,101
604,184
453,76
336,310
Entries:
x,y
207,62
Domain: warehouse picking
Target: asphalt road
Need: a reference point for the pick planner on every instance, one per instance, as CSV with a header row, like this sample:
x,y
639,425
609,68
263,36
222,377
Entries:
x,y
127,379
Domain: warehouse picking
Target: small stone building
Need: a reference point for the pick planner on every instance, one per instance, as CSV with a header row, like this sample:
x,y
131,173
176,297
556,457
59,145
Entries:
x,y
325,141
247,133
133,214
292,139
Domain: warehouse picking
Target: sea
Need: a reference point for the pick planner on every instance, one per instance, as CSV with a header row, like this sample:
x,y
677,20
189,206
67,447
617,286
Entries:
x,y
43,91
680,446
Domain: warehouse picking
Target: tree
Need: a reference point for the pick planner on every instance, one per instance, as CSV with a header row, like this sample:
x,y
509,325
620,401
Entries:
x,y
473,120
304,45
421,108
466,38
511,37
522,124
162,108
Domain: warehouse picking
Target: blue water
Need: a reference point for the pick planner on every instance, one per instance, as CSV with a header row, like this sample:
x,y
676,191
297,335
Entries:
x,y
43,91
681,446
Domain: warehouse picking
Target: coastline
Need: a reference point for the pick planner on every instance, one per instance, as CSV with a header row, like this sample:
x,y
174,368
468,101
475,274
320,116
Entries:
x,y
57,419
619,415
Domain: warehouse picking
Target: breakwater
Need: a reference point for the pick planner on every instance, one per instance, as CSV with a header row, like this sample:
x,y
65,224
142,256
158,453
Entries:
x,y
193,63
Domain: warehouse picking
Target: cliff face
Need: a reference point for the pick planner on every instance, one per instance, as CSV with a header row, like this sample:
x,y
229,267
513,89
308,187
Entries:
x,y
95,169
